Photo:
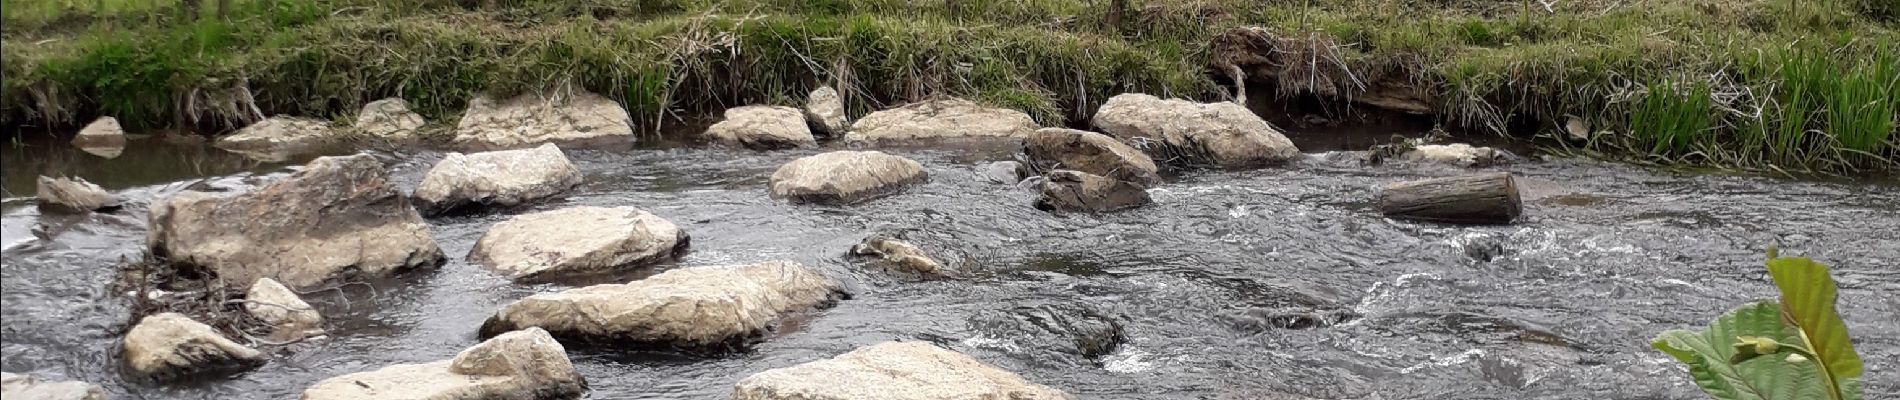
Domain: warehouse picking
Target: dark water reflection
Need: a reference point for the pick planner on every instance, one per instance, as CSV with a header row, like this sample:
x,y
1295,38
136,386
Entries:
x,y
1203,282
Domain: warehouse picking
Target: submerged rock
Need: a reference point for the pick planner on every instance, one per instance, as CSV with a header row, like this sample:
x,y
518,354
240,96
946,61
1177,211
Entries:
x,y
290,318
942,119
72,195
389,120
893,370
567,119
901,256
337,218
824,109
1066,190
1265,319
686,307
104,132
1071,329
1225,134
505,178
26,387
763,128
1094,153
277,138
577,240
524,364
169,346
1457,154
1004,172
844,177
1481,246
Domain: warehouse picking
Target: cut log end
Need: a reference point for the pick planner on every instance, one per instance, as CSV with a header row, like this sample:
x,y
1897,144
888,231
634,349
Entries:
x,y
1471,199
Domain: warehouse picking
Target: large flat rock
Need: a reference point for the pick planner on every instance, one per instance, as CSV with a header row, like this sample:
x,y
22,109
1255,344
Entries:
x,y
338,218
505,178
1223,134
844,177
948,118
893,371
526,364
1094,153
763,128
686,307
578,240
564,118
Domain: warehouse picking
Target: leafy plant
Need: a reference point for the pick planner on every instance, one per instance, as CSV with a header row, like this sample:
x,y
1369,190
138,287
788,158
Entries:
x,y
1796,347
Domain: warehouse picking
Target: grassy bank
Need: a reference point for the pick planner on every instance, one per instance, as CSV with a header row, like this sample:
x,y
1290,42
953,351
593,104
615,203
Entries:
x,y
1750,83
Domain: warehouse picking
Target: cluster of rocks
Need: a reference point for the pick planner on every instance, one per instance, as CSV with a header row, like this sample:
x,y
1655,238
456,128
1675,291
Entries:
x,y
341,219
279,138
1083,171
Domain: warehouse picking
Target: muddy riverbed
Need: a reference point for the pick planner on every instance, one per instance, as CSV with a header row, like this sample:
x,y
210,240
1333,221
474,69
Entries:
x,y
1277,283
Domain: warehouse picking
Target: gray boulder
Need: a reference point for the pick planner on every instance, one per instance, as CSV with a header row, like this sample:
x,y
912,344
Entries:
x,y
893,370
290,318
169,347
279,138
844,177
338,218
564,118
901,257
26,387
763,128
577,240
824,109
1065,190
1094,153
388,120
1223,134
72,195
686,307
505,178
949,118
104,132
524,364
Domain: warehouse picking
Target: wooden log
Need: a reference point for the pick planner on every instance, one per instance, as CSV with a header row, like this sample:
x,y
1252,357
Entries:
x,y
1471,199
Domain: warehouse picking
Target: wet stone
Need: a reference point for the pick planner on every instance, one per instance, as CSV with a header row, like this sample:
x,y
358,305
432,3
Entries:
x,y
1481,246
1267,319
1070,329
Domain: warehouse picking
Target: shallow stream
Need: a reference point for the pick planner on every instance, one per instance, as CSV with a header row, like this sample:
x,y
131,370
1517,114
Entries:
x,y
1277,283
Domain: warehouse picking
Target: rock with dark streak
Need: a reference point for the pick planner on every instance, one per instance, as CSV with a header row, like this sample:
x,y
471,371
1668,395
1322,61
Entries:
x,y
169,347
1075,191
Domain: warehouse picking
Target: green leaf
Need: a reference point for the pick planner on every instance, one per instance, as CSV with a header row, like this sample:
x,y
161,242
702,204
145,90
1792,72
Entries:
x,y
1708,354
1807,302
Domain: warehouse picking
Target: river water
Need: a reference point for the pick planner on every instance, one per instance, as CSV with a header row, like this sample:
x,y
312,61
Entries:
x,y
1277,283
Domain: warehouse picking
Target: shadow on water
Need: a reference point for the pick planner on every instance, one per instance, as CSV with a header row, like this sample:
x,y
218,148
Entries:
x,y
1275,283
142,162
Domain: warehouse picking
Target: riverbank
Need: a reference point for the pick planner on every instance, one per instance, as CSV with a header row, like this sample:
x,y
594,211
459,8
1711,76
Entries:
x,y
1750,84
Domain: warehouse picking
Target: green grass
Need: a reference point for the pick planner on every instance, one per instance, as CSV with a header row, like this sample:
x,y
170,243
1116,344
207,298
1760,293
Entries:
x,y
1790,85
1672,120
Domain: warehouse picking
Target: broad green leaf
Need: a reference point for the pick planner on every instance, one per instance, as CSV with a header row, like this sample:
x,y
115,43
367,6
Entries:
x,y
1807,302
1773,377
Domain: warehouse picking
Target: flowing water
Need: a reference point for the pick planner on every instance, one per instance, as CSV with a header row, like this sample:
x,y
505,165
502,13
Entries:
x,y
1277,283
